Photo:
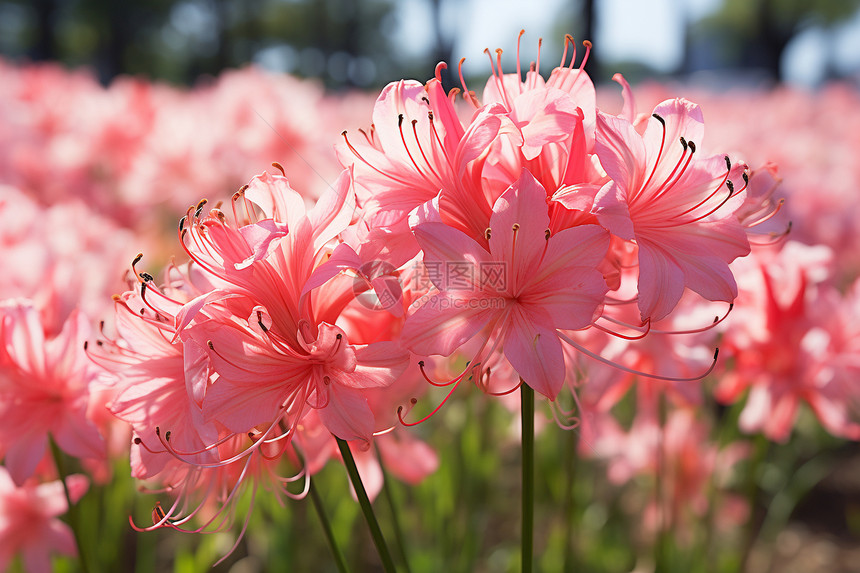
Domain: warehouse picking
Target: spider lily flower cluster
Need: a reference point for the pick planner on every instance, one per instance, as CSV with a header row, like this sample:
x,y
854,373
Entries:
x,y
509,236
525,236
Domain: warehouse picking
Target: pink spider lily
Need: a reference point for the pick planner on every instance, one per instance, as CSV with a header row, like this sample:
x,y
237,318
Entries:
x,y
44,390
160,381
418,148
29,523
677,207
547,282
792,347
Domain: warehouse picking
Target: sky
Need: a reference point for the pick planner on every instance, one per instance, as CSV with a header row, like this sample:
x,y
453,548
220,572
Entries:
x,y
635,30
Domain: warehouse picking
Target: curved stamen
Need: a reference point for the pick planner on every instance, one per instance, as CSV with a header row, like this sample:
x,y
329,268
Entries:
x,y
659,152
640,336
724,181
587,44
537,65
421,149
768,216
777,237
519,70
557,413
717,320
406,147
430,415
439,140
485,385
469,368
623,368
672,179
369,164
568,41
467,94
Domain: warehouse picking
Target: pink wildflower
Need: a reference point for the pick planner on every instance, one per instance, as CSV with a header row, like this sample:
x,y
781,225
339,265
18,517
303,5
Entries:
x,y
29,524
791,346
44,390
676,206
547,282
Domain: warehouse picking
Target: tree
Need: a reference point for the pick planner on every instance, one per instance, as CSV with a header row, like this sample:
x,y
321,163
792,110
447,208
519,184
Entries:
x,y
760,30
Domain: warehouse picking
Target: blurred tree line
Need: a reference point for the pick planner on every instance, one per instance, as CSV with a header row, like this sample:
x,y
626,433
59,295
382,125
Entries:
x,y
350,43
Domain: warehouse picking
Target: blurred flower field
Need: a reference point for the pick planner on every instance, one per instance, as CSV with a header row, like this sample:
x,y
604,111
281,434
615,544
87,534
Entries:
x,y
196,377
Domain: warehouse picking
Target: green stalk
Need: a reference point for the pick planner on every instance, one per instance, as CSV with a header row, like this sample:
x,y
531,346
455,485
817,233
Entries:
x,y
570,500
329,534
366,508
527,401
395,520
74,521
753,528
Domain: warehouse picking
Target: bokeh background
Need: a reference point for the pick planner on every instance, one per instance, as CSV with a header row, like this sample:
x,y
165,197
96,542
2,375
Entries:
x,y
122,114
367,43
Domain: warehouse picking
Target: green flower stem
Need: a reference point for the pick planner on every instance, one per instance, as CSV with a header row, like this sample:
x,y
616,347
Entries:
x,y
74,521
752,530
569,503
366,508
527,401
329,534
395,520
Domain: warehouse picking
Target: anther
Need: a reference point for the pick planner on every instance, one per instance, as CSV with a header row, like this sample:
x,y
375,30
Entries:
x,y
731,186
660,119
684,143
210,345
146,277
728,163
137,441
279,167
326,380
167,436
488,233
136,259
547,234
158,513
746,178
260,321
692,146
400,120
515,227
86,343
425,100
